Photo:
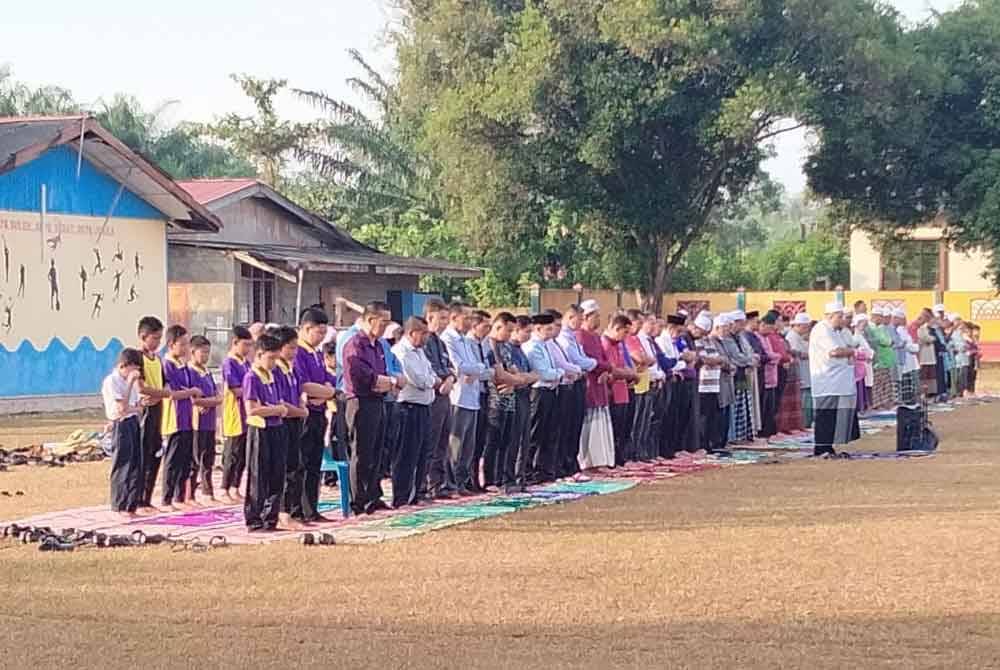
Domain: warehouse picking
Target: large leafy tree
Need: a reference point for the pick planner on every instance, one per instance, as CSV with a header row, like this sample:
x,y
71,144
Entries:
x,y
20,99
926,145
644,117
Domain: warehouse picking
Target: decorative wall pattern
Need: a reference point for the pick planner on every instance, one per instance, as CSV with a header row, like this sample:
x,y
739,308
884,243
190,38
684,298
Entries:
x,y
789,308
986,310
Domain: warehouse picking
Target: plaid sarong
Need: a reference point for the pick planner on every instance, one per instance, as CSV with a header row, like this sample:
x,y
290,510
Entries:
x,y
740,419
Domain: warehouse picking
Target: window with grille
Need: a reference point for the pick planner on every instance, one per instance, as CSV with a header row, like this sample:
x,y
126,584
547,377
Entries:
x,y
257,302
911,265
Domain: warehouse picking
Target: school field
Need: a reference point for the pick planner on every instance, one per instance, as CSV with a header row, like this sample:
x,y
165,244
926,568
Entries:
x,y
874,564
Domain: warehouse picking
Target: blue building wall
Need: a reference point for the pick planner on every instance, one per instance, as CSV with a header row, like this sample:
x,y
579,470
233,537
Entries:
x,y
91,195
70,363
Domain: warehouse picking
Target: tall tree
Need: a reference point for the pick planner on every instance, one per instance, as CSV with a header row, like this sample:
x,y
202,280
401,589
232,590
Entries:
x,y
264,139
20,99
924,144
646,116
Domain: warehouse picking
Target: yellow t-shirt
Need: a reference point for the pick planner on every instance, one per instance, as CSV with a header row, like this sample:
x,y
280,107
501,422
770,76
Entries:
x,y
152,371
642,385
233,410
331,404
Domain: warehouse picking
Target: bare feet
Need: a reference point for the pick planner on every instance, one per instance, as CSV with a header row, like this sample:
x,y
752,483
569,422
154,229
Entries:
x,y
286,522
146,511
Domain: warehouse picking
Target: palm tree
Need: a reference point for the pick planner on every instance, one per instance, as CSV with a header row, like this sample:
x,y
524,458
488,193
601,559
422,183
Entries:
x,y
19,99
370,160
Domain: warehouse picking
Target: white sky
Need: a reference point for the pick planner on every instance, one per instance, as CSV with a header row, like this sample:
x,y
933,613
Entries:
x,y
184,50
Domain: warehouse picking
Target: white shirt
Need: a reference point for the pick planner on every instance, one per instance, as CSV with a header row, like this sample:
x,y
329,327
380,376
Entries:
x,y
420,377
669,350
112,390
655,373
468,369
830,376
798,344
911,347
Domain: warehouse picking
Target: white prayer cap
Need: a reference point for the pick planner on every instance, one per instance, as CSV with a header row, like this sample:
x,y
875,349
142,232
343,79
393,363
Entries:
x,y
589,307
721,321
738,315
703,322
704,312
938,309
858,318
801,319
898,313
878,311
954,317
833,308
392,330
683,312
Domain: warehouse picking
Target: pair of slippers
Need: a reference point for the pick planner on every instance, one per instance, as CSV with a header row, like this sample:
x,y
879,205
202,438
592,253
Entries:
x,y
316,539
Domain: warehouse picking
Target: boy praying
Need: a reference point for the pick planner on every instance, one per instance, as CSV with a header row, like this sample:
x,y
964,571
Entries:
x,y
177,425
290,393
151,396
205,410
234,421
120,392
266,443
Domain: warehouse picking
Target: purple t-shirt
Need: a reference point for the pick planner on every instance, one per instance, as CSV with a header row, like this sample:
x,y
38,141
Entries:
x,y
266,393
289,386
364,360
233,373
311,369
205,420
177,413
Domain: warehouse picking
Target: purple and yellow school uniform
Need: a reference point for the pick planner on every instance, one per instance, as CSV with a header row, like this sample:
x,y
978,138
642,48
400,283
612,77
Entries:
x,y
289,386
201,378
311,368
234,412
331,379
260,386
177,414
152,371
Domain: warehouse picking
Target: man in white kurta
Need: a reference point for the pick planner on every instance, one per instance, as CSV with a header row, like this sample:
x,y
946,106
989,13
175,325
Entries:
x,y
831,371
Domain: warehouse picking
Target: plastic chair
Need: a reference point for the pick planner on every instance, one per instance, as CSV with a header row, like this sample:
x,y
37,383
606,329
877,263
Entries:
x,y
343,470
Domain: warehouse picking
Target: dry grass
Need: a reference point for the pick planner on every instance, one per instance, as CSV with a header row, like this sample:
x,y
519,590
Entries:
x,y
812,565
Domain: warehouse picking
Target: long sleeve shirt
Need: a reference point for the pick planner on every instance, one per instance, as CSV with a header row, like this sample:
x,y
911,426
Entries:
x,y
468,369
597,392
771,360
541,362
342,339
656,373
437,354
392,366
574,352
885,357
561,361
364,361
615,352
420,376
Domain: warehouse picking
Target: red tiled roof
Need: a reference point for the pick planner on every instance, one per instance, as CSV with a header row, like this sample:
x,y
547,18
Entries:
x,y
209,190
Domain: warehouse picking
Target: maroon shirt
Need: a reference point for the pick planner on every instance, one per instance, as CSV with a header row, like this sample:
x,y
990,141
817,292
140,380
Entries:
x,y
364,361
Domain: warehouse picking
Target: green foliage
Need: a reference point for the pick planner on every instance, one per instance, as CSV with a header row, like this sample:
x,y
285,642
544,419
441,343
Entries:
x,y
19,99
264,139
644,119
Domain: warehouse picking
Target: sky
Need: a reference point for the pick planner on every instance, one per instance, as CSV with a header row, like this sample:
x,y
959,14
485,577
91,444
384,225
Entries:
x,y
182,52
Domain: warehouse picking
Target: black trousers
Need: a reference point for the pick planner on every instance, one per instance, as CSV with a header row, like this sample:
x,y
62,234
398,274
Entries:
x,y
515,460
266,449
620,427
482,429
295,471
439,475
390,440
768,412
723,428
413,447
152,443
499,438
684,418
641,421
177,466
572,399
365,432
234,461
311,446
711,417
127,474
203,463
540,460
663,426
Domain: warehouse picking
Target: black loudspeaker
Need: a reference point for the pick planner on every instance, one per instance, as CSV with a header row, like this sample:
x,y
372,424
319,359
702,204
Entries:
x,y
913,430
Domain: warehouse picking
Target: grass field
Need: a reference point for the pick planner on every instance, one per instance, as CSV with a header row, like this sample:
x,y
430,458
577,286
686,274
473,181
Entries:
x,y
806,565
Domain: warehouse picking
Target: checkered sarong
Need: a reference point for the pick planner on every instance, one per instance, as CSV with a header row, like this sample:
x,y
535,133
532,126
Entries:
x,y
740,420
882,390
908,385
